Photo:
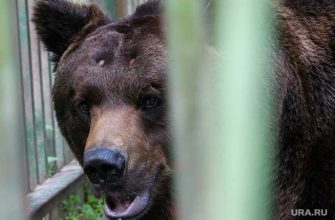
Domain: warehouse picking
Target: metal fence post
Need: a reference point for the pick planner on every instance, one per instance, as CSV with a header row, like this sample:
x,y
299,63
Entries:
x,y
244,30
220,118
11,129
185,38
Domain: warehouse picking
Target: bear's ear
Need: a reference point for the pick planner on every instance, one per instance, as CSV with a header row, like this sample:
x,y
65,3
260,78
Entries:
x,y
58,22
152,7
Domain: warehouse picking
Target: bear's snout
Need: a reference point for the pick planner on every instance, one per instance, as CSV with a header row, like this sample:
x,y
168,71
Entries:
x,y
103,165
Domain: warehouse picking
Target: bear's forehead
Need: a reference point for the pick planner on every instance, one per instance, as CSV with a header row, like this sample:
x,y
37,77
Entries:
x,y
119,44
107,45
133,59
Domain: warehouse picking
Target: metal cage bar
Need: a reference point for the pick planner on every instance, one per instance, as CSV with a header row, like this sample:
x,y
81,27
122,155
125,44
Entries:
x,y
11,121
221,115
245,44
185,49
27,90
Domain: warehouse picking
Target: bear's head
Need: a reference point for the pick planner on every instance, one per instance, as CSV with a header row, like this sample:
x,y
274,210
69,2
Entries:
x,y
110,101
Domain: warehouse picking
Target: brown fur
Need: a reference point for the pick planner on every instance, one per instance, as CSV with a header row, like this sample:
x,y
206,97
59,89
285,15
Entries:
x,y
305,69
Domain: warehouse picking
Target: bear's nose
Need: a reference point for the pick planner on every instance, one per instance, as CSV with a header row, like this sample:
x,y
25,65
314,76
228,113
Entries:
x,y
103,165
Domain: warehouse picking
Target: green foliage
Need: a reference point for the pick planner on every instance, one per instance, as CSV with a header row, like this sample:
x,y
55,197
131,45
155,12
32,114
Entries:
x,y
71,208
52,166
87,208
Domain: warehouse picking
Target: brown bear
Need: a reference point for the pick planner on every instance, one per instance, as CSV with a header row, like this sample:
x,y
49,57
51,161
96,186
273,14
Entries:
x,y
110,101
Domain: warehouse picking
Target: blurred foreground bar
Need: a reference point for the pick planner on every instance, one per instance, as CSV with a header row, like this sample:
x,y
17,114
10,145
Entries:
x,y
11,136
185,37
244,41
221,119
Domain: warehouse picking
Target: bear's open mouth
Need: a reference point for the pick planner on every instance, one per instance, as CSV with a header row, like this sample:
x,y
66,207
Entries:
x,y
129,207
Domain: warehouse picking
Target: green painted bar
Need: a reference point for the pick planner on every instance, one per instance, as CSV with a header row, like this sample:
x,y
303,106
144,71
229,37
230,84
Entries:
x,y
243,38
38,100
27,92
110,7
220,117
116,8
185,37
48,111
128,7
58,147
51,125
58,139
11,126
68,156
57,161
51,70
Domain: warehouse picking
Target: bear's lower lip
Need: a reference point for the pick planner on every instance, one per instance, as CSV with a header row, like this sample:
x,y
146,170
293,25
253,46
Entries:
x,y
128,208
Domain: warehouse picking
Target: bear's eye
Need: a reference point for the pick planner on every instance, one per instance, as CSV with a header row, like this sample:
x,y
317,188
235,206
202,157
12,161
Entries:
x,y
150,102
84,107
